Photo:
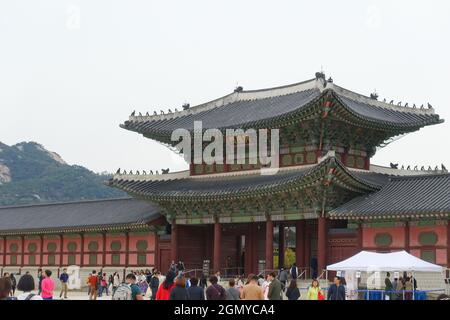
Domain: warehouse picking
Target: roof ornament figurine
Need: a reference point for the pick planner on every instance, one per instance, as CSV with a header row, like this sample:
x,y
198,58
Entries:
x,y
430,168
238,89
414,106
165,171
151,172
443,167
415,168
124,171
144,172
176,110
118,171
140,114
399,104
406,105
430,106
422,168
421,107
131,172
162,111
374,96
436,168
137,172
392,102
408,168
154,113
384,100
157,172
133,113
403,167
147,114
330,80
394,165
186,106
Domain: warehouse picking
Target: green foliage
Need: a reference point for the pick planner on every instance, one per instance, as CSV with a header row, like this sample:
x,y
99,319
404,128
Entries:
x,y
37,177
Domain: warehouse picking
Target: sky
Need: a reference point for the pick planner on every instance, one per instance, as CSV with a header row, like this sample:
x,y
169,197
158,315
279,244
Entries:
x,y
72,71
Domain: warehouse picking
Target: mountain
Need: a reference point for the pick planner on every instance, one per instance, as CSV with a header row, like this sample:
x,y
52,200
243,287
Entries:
x,y
31,174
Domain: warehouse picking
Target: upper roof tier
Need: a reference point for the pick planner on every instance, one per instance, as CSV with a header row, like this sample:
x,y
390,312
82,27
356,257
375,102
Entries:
x,y
270,108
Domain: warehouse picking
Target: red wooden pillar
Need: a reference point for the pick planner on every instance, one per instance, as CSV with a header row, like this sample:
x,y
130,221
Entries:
x,y
248,250
217,241
360,237
82,249
321,244
4,251
22,251
448,244
127,248
269,243
281,246
307,254
41,252
104,249
300,243
61,250
174,241
406,229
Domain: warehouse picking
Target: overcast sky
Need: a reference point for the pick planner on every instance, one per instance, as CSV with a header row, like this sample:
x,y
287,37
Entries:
x,y
72,71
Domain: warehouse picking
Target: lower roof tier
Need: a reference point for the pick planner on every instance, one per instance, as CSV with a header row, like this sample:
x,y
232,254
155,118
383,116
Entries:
x,y
83,215
408,197
231,186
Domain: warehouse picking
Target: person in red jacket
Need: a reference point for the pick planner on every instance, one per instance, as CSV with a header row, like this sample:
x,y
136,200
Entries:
x,y
164,289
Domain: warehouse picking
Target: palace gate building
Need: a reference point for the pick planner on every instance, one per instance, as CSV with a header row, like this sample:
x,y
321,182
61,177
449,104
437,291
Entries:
x,y
326,189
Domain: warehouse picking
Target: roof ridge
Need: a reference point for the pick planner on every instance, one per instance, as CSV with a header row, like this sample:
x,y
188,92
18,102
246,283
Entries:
x,y
63,203
422,176
352,95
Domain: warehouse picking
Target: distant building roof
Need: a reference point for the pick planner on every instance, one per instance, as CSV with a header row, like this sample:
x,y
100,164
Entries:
x,y
111,213
412,196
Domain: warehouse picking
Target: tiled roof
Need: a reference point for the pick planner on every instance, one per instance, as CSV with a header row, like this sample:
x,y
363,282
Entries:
x,y
69,215
257,108
241,185
413,196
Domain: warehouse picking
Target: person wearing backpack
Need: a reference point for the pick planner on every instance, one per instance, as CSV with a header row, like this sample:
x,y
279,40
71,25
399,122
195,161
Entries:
x,y
26,285
215,291
128,290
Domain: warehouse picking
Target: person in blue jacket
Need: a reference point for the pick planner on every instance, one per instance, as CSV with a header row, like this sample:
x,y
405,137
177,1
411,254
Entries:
x,y
336,290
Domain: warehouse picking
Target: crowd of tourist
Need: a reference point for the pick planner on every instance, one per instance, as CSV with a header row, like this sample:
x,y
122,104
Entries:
x,y
178,285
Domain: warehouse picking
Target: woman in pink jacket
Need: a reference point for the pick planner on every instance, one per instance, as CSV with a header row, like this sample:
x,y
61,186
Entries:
x,y
48,285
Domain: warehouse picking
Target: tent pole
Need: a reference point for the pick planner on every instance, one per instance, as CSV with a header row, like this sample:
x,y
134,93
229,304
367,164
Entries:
x,y
413,290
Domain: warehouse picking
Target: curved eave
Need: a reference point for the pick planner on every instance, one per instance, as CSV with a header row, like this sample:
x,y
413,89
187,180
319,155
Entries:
x,y
313,177
394,215
92,228
310,110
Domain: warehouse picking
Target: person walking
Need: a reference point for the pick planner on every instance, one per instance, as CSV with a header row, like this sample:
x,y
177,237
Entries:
x,y
400,289
203,282
179,292
314,291
40,277
215,291
136,293
292,292
116,282
195,292
283,277
336,290
93,285
388,287
63,278
294,271
164,289
26,285
180,267
252,291
154,284
275,287
232,292
13,284
408,289
48,285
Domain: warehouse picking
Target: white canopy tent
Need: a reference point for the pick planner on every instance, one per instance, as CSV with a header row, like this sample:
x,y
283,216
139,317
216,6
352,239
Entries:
x,y
374,262
392,261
